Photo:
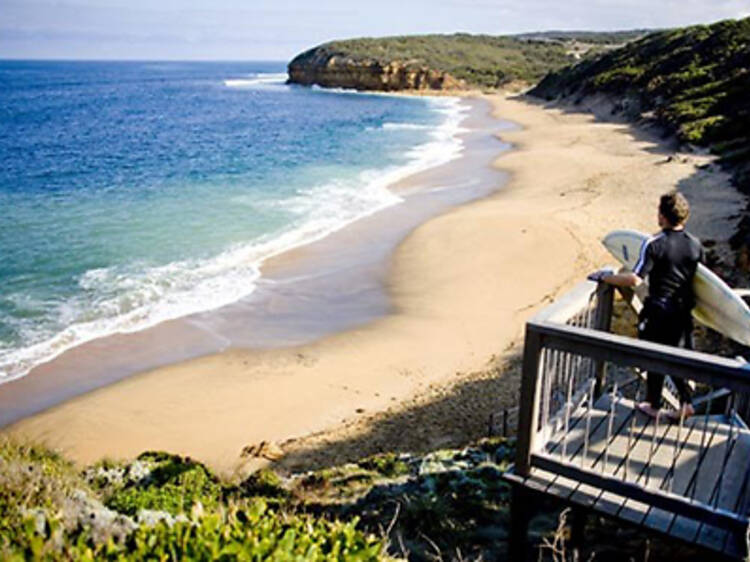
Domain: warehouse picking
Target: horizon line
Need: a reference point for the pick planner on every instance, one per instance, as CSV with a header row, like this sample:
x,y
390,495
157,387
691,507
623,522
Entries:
x,y
71,59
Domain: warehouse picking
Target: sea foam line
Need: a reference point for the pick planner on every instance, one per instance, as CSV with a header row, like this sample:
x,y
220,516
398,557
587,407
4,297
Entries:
x,y
259,79
179,289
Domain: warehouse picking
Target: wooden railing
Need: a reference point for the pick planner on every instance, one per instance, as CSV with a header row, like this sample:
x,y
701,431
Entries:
x,y
564,393
553,379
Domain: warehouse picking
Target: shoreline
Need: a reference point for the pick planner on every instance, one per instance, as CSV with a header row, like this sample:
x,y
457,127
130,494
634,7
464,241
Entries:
x,y
303,294
462,285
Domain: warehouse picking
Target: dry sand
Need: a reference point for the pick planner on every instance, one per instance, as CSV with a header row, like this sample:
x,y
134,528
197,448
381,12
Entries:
x,y
463,285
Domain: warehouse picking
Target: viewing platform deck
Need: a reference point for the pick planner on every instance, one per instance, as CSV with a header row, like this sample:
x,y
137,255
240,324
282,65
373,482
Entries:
x,y
582,441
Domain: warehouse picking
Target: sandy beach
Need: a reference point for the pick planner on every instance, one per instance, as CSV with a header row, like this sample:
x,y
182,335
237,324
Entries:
x,y
461,287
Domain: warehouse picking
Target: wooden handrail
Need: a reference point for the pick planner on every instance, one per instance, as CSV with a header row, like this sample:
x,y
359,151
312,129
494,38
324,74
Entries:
x,y
678,362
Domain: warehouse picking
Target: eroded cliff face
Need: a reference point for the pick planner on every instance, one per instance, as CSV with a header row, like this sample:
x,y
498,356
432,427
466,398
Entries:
x,y
333,70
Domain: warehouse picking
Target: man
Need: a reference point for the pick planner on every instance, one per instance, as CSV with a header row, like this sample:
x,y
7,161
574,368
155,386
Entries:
x,y
669,259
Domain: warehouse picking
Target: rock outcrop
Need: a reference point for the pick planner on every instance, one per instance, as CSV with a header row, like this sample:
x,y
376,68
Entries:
x,y
336,70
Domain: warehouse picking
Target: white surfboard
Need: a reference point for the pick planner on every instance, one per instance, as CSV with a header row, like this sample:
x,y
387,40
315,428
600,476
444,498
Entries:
x,y
717,305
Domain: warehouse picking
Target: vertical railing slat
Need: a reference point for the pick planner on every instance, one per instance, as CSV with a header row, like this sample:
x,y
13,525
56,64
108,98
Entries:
x,y
604,301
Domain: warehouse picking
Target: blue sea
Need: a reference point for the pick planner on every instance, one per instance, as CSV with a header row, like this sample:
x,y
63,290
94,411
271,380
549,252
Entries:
x,y
136,192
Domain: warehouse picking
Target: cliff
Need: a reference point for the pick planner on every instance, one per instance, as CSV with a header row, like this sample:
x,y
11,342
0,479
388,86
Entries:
x,y
329,69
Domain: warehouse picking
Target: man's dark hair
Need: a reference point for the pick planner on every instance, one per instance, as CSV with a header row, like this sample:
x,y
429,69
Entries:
x,y
674,207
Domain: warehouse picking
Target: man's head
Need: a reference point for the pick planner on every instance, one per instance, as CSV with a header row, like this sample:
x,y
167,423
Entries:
x,y
674,210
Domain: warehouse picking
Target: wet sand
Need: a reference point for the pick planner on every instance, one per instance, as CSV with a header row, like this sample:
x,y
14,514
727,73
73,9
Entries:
x,y
459,288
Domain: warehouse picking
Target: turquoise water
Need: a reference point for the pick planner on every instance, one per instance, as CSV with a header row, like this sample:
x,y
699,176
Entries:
x,y
132,193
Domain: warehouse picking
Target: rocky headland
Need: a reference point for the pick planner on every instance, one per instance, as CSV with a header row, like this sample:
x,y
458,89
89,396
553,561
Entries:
x,y
323,67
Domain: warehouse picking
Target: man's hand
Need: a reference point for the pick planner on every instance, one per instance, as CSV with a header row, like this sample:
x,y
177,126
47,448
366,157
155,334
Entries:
x,y
601,273
611,277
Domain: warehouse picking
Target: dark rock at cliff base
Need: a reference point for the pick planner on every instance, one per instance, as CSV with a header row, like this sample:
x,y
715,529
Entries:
x,y
323,67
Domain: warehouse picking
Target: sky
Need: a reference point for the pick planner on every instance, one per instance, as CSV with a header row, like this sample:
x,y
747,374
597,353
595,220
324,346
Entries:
x,y
279,29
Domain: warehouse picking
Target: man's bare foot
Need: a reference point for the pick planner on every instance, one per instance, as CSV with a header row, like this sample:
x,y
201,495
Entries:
x,y
685,411
648,409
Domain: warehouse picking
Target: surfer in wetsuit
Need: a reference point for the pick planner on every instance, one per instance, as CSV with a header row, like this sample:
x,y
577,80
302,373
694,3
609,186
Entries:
x,y
669,259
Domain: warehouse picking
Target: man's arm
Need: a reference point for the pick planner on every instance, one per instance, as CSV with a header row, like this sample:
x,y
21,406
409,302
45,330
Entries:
x,y
624,279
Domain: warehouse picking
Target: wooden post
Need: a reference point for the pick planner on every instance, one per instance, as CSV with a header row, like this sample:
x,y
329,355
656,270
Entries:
x,y
578,518
604,303
521,511
528,413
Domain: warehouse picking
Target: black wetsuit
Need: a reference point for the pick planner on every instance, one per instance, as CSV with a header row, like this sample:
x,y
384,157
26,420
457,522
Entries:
x,y
669,259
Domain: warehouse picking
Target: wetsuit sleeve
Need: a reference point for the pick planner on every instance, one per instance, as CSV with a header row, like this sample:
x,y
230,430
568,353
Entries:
x,y
645,262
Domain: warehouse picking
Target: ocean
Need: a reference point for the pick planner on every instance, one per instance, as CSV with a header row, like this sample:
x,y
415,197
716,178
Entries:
x,y
136,192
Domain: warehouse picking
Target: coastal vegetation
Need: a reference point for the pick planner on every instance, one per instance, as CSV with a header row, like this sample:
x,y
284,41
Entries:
x,y
443,505
603,38
158,507
169,507
693,81
445,61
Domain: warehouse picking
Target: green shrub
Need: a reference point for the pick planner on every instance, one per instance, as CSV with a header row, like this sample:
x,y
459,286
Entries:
x,y
247,531
700,131
253,532
264,482
620,78
385,464
174,484
48,511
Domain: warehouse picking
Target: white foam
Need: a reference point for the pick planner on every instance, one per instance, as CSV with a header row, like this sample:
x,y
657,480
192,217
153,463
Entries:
x,y
132,300
269,79
404,127
329,90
